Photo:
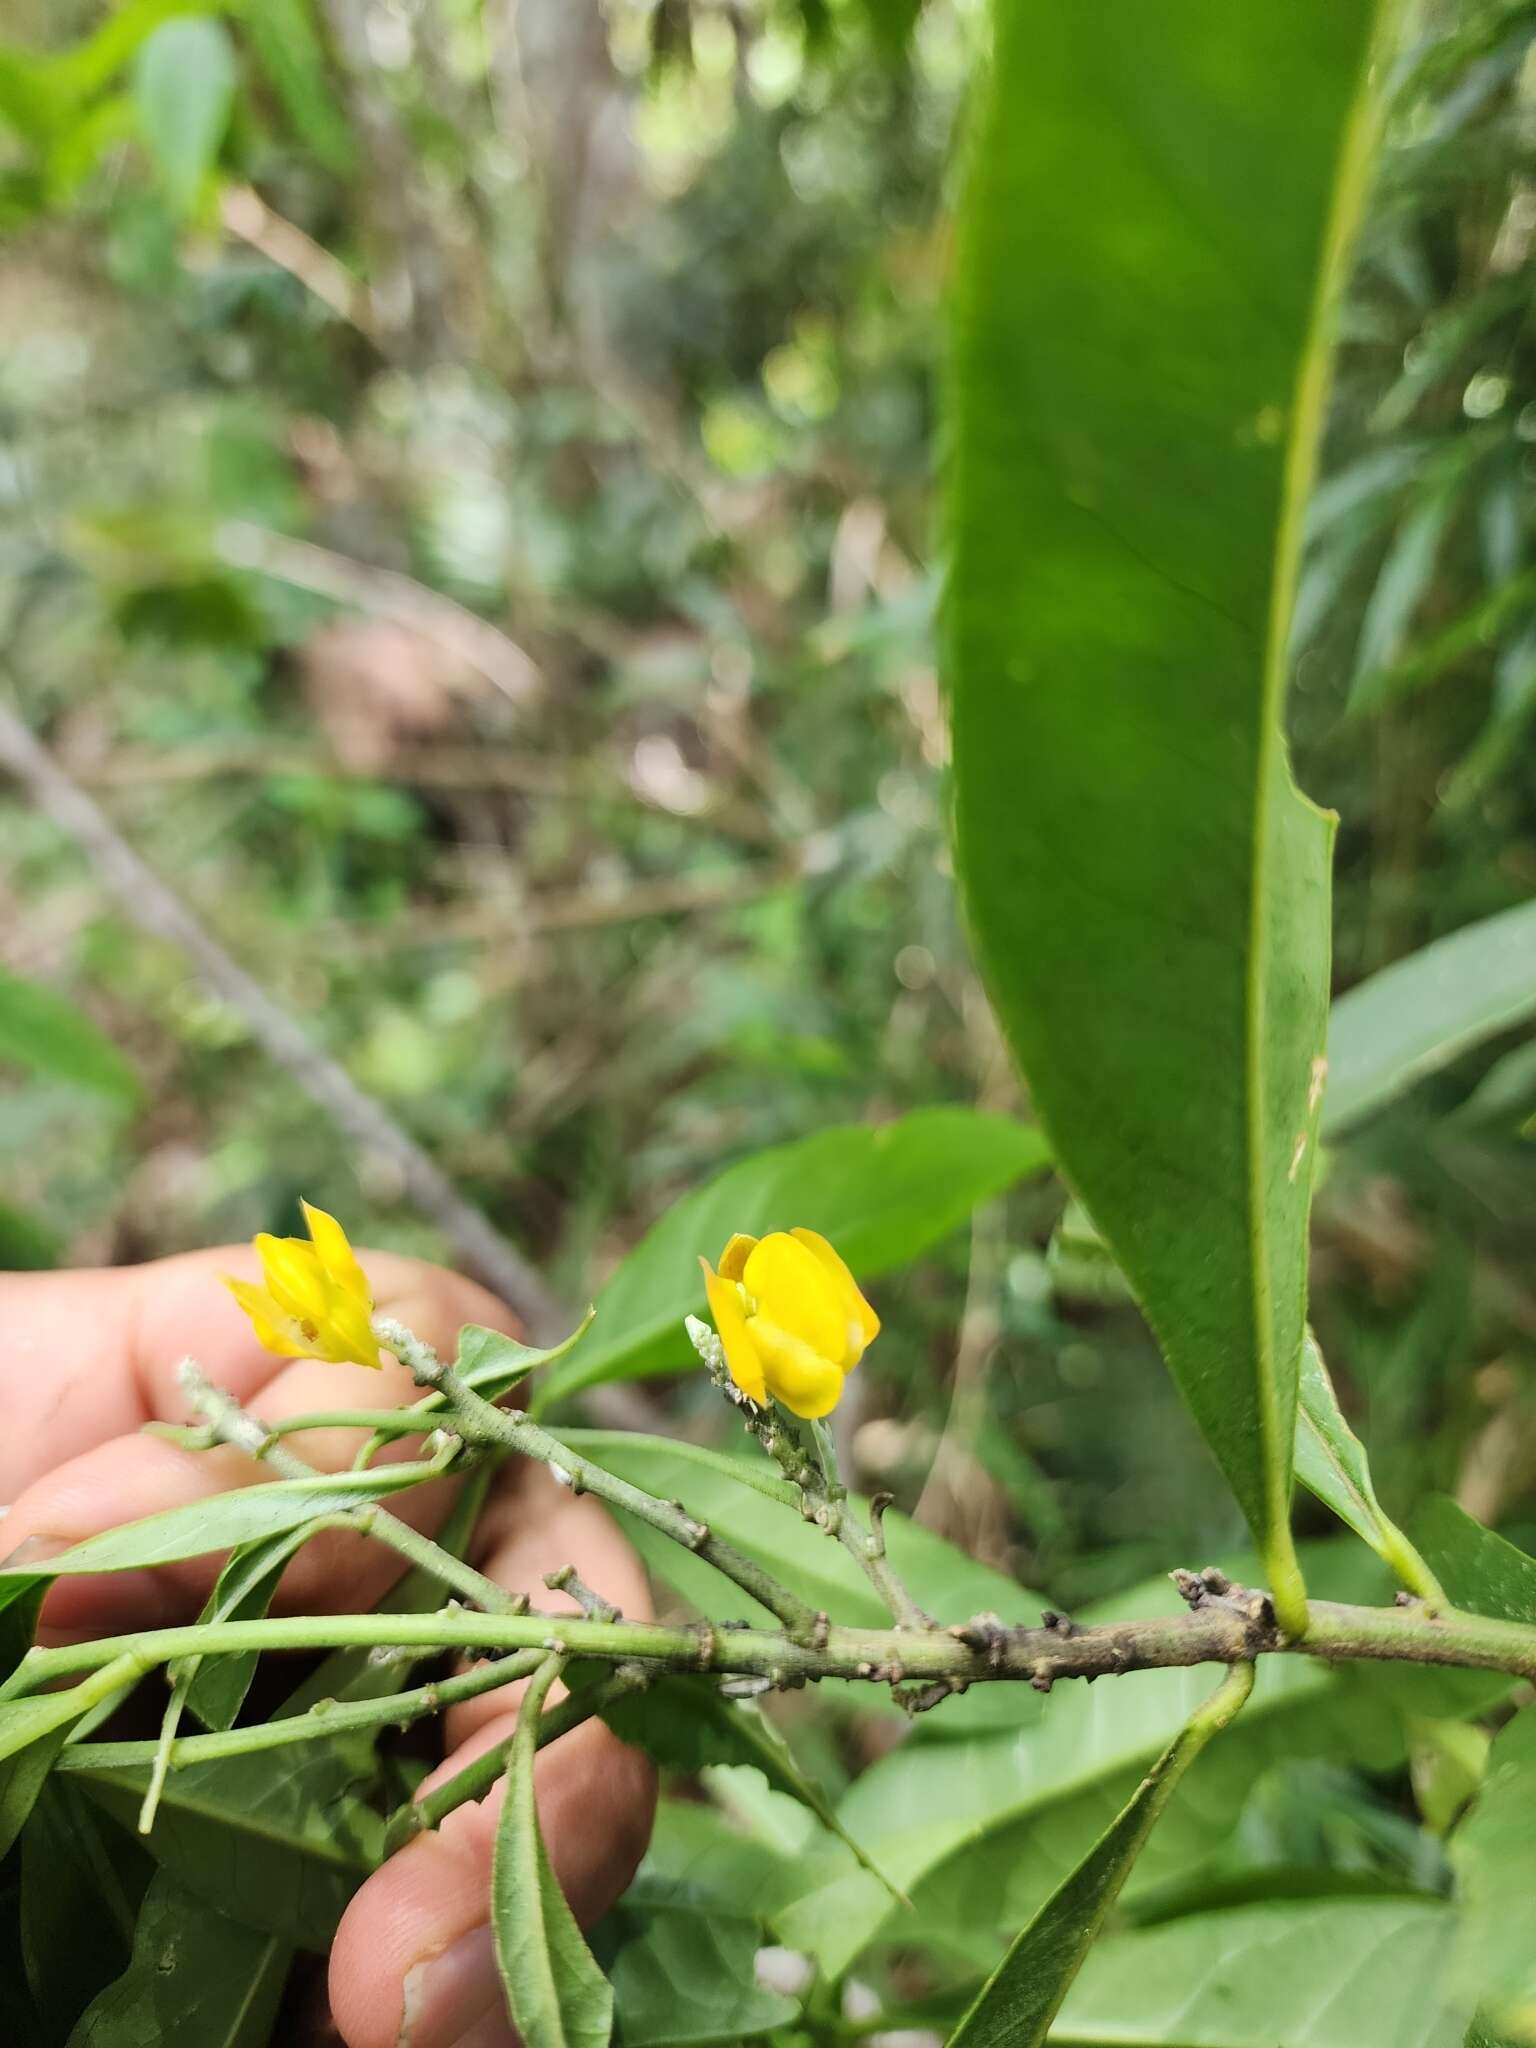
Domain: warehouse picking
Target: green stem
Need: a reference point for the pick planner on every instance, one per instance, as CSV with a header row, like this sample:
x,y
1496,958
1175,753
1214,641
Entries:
x,y
482,1422
1218,1632
326,1718
479,1776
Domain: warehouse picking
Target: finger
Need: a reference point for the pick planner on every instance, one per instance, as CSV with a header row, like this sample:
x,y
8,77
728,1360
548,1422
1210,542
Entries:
x,y
413,1960
132,1476
87,1356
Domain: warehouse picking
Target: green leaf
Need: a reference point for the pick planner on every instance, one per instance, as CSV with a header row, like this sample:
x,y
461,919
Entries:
x,y
42,1032
1494,1851
746,1501
247,1515
195,1980
282,33
493,1364
1023,1995
1330,1973
685,1723
557,1995
1479,1569
1420,1013
1138,381
882,1194
277,1841
1331,1463
215,1687
682,1971
32,1732
183,88
80,1892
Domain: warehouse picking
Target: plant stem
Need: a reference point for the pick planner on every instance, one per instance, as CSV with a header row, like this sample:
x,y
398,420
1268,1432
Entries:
x,y
324,1719
1228,1629
235,1425
481,1421
477,1778
812,1471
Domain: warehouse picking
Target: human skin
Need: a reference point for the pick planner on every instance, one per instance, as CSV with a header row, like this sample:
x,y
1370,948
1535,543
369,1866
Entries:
x,y
87,1357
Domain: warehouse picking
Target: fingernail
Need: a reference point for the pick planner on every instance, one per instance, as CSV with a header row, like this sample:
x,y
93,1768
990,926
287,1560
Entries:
x,y
450,1996
35,1550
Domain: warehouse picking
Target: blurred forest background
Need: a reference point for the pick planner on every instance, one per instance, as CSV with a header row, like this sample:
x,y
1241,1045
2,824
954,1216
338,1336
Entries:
x,y
466,516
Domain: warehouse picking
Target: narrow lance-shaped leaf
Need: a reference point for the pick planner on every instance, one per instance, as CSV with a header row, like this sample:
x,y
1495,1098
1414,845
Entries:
x,y
1331,1462
1420,1013
1138,380
1018,2002
557,1995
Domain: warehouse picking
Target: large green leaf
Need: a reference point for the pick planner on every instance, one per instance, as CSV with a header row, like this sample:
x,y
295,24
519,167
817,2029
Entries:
x,y
556,1993
42,1032
882,1194
1331,1973
195,1980
1494,1851
1418,1014
1023,1995
1137,384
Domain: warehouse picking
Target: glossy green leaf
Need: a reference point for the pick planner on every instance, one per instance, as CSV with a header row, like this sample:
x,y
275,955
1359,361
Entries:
x,y
1023,1995
768,1527
1333,1973
184,81
42,1032
1331,1463
556,1994
881,1193
277,1841
1138,379
682,1972
1417,1015
1494,1851
195,1980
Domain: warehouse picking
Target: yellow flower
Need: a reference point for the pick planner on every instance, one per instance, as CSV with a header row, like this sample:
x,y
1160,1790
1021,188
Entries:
x,y
790,1318
317,1302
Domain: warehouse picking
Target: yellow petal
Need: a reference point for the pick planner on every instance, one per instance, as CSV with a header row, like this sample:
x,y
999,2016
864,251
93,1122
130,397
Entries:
x,y
275,1332
798,1376
741,1358
793,1289
864,1324
347,1335
294,1276
733,1260
335,1253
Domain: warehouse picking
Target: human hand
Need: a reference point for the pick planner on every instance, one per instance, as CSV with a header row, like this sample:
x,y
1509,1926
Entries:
x,y
87,1357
